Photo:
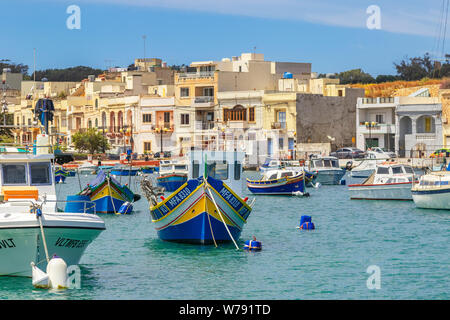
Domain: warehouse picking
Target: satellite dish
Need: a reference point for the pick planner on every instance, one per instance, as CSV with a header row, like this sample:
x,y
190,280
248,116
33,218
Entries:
x,y
331,138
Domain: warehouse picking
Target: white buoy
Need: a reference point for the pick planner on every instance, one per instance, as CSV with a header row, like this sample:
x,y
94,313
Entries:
x,y
39,277
57,273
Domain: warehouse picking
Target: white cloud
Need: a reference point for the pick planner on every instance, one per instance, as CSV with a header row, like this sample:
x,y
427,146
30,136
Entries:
x,y
413,17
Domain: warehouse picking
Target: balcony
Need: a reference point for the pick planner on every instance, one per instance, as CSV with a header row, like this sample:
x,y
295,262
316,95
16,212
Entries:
x,y
279,125
204,125
195,75
238,124
379,128
203,102
165,126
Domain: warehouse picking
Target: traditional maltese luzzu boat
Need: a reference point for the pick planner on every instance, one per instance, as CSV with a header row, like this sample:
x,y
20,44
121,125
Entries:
x,y
278,182
208,208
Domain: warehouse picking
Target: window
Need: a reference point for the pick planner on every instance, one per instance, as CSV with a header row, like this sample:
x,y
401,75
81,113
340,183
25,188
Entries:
x,y
218,170
397,170
286,174
282,119
208,92
238,113
251,114
40,173
147,117
382,170
166,117
273,176
147,146
409,170
379,118
327,163
184,92
14,174
281,143
185,118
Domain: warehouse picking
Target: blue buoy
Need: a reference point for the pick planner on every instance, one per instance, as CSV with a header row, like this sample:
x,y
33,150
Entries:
x,y
306,223
253,245
125,208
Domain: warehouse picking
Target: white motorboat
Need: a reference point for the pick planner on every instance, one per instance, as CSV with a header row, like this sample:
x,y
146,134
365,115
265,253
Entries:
x,y
32,226
327,168
365,167
432,191
388,182
87,168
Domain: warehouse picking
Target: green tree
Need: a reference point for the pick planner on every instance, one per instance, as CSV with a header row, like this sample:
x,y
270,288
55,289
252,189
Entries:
x,y
416,68
355,76
91,141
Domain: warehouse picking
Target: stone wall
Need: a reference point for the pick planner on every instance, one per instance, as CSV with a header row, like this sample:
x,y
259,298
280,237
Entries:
x,y
320,116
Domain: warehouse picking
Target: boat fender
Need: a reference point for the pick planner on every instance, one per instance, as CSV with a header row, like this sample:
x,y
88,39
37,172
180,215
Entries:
x,y
125,208
306,194
136,197
253,245
342,182
57,273
245,199
162,198
306,223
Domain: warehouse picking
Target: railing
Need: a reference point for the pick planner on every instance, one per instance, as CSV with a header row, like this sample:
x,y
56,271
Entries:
x,y
204,125
377,100
278,125
87,205
193,75
203,99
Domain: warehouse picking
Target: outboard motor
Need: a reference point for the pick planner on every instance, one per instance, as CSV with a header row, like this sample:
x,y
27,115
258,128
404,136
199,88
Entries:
x,y
348,166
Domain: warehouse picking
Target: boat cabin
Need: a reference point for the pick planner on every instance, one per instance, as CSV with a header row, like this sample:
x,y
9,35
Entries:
x,y
167,166
222,165
324,163
278,174
393,174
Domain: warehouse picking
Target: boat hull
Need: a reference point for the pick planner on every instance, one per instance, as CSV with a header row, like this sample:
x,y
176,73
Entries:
x,y
22,244
60,178
124,172
171,182
390,191
432,199
279,187
189,214
329,177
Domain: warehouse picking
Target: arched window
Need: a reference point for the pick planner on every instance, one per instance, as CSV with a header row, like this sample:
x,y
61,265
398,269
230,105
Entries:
x,y
96,123
96,103
238,113
112,122
104,120
120,120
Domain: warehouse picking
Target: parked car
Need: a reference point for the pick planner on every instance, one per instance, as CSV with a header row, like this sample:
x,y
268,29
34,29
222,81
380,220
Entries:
x,y
166,154
348,153
382,153
444,152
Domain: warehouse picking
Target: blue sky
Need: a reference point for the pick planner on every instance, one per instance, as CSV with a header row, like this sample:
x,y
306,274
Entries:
x,y
332,35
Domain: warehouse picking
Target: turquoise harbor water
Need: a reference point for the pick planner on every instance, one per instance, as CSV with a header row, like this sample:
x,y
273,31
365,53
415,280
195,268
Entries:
x,y
128,261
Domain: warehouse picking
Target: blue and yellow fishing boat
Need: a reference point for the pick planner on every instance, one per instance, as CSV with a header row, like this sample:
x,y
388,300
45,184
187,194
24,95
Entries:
x,y
172,175
204,210
108,194
278,182
60,175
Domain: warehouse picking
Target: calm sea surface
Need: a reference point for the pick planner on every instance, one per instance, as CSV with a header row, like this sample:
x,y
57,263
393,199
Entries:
x,y
128,261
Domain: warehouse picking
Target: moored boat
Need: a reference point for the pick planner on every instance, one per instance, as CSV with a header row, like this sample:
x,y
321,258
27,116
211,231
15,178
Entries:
x,y
208,208
432,190
124,171
278,182
172,175
387,182
108,194
327,168
32,225
60,175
